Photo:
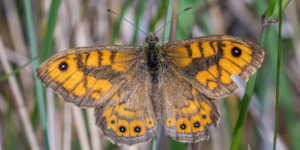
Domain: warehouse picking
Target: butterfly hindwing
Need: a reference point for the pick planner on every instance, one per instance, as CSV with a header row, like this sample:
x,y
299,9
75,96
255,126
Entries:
x,y
128,117
88,76
186,113
208,62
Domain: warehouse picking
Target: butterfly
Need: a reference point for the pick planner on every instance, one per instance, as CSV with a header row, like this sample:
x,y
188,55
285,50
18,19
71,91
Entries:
x,y
133,88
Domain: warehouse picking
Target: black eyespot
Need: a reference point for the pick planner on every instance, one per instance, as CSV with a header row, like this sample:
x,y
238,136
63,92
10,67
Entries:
x,y
137,129
236,52
150,122
183,126
196,124
112,121
169,121
122,129
63,66
203,116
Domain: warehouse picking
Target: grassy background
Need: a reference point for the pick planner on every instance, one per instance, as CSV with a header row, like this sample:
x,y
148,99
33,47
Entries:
x,y
58,25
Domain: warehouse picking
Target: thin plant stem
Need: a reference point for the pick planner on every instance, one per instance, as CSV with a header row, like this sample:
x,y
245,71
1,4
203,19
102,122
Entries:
x,y
38,85
267,20
168,26
51,23
153,143
4,77
278,74
20,105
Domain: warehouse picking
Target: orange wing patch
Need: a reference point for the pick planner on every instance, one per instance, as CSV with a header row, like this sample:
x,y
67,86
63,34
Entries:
x,y
170,122
73,80
123,127
98,87
183,125
229,66
112,123
93,59
80,90
105,57
207,49
195,50
137,128
196,124
121,62
207,78
179,57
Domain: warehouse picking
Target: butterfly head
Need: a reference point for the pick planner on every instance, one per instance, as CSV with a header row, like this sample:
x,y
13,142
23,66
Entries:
x,y
152,40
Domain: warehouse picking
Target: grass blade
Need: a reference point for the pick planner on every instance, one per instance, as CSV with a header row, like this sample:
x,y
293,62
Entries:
x,y
185,22
118,25
19,101
140,11
38,86
2,78
168,26
153,143
48,39
158,15
266,20
278,74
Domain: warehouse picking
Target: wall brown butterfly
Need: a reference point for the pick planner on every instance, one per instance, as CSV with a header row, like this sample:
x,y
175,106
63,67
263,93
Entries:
x,y
133,87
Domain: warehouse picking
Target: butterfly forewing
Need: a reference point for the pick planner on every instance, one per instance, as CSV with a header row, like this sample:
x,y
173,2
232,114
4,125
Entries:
x,y
208,62
88,76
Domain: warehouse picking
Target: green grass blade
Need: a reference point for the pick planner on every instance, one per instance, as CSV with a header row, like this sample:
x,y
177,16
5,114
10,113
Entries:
x,y
118,25
38,85
158,15
250,86
153,143
287,103
2,78
278,74
140,11
185,22
168,26
48,39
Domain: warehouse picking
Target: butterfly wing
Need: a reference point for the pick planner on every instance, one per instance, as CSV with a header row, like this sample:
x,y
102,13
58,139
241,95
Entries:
x,y
89,76
208,62
128,118
186,113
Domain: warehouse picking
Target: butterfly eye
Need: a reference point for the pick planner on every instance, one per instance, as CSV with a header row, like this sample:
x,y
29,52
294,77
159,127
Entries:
x,y
156,39
147,40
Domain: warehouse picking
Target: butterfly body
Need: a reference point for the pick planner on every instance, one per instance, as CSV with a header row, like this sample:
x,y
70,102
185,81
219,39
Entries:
x,y
133,88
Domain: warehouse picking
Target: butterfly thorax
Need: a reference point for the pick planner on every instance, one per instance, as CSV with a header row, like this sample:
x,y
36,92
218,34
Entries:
x,y
152,51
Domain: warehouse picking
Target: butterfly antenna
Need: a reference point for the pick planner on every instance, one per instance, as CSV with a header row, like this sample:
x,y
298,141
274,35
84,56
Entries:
x,y
173,19
109,10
